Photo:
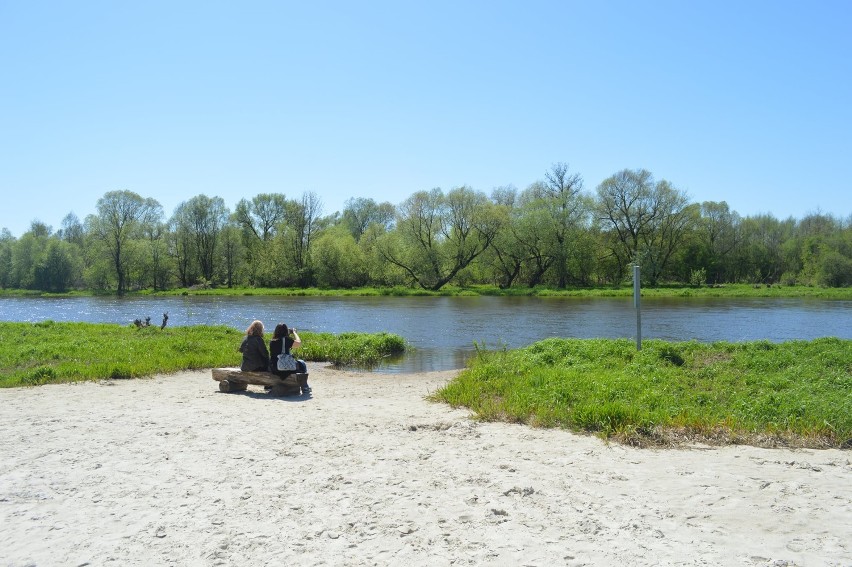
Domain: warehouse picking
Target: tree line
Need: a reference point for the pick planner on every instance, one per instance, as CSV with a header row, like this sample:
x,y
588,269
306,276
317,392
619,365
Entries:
x,y
553,233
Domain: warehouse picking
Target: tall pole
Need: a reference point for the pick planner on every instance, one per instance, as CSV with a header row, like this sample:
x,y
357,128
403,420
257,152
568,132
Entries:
x,y
637,304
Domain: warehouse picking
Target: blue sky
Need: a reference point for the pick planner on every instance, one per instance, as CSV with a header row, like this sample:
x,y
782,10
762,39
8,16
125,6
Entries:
x,y
744,102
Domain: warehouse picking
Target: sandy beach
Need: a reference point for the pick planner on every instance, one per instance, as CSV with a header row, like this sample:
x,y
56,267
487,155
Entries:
x,y
168,471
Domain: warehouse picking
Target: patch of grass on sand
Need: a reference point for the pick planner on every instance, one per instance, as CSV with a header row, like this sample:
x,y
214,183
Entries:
x,y
47,352
797,393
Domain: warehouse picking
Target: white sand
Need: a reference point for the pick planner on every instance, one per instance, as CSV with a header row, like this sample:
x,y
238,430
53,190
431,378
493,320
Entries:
x,y
168,471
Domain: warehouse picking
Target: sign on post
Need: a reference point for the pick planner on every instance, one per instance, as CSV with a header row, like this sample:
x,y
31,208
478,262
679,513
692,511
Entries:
x,y
637,295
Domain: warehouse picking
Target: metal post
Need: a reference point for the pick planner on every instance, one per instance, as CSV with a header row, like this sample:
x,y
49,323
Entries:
x,y
637,304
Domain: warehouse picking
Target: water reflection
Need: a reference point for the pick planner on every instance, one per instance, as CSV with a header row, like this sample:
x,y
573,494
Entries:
x,y
443,330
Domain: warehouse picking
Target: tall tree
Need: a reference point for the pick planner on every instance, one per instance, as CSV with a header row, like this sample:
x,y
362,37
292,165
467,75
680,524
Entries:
x,y
440,235
158,265
568,210
647,219
761,255
7,242
302,223
200,220
719,233
533,229
72,229
231,253
507,255
359,213
119,218
554,213
262,215
338,260
54,272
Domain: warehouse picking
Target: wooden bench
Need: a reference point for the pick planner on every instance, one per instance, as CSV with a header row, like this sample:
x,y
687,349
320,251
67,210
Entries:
x,y
235,380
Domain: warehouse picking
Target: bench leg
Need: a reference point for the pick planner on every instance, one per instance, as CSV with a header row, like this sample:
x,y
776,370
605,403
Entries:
x,y
284,390
229,386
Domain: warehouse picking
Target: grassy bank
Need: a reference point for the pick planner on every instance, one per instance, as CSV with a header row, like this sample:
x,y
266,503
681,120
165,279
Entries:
x,y
797,393
730,291
735,290
48,352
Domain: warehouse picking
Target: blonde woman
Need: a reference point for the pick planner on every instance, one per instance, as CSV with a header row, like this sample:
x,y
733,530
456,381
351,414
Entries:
x,y
253,347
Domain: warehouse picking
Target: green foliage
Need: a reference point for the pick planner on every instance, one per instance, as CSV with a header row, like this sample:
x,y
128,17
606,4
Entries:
x,y
49,352
835,270
723,291
551,235
339,261
351,348
798,392
698,278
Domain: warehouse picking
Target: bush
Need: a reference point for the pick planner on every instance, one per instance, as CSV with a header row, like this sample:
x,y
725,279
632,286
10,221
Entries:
x,y
698,277
835,270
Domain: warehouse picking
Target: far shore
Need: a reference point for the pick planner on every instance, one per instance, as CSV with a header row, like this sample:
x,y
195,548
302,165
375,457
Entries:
x,y
755,290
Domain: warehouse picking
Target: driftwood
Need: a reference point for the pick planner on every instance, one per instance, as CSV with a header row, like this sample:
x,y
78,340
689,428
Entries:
x,y
235,380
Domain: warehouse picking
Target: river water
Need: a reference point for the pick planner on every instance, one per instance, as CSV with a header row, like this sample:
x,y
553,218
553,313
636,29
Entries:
x,y
443,331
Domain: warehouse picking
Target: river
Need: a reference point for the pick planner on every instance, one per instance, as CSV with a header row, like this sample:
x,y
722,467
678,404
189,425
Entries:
x,y
443,331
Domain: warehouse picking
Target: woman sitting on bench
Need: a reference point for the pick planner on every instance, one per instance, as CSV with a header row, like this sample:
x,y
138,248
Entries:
x,y
284,339
253,347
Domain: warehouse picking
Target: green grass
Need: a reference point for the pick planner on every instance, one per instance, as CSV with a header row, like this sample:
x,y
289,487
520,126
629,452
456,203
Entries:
x,y
48,352
726,291
733,290
797,393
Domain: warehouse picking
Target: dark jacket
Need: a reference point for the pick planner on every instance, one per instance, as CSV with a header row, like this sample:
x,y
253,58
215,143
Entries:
x,y
274,350
255,355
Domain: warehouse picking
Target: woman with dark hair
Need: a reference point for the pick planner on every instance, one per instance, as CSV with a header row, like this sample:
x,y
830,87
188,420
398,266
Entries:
x,y
284,339
255,355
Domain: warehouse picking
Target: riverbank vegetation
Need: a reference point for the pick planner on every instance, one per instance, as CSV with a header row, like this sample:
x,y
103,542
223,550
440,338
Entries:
x,y
51,352
668,291
728,291
554,234
796,393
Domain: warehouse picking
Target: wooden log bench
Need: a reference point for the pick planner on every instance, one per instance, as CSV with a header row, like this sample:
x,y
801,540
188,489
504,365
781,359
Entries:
x,y
235,380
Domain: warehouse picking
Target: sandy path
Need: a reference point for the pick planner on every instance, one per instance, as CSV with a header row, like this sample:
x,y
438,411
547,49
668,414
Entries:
x,y
167,471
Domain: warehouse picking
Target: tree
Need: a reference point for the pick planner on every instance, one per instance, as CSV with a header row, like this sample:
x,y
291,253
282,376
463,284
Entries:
x,y
158,257
55,271
302,217
646,219
359,213
39,229
553,216
209,216
440,235
261,221
379,270
719,233
180,248
72,229
28,253
262,215
7,242
532,228
338,260
198,222
562,193
545,231
231,253
506,255
760,258
119,219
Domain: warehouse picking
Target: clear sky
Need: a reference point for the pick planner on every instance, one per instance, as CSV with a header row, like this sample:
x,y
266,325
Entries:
x,y
745,102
